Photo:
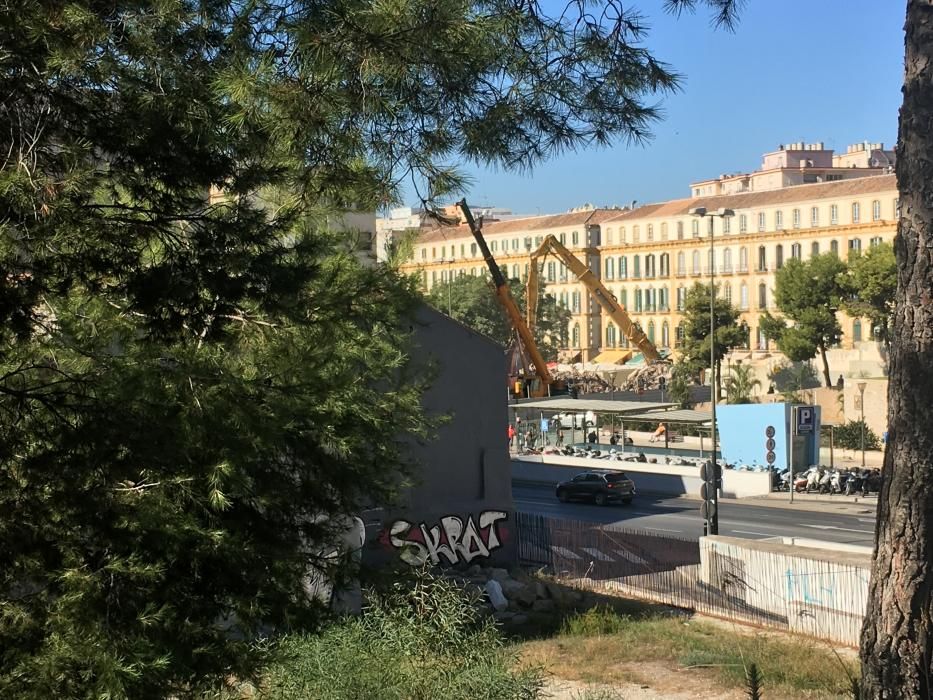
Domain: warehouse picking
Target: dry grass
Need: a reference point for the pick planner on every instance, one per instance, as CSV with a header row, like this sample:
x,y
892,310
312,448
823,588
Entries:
x,y
603,646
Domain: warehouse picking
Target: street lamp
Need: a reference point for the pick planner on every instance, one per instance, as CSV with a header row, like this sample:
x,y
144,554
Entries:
x,y
701,212
861,401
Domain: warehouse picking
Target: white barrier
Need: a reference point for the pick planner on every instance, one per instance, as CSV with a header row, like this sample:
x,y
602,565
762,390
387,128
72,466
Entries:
x,y
653,478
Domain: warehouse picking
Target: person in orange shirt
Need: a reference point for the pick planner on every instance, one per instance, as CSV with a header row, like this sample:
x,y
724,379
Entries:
x,y
511,434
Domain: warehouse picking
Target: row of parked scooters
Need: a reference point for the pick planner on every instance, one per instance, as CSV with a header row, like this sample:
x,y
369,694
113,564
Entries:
x,y
819,479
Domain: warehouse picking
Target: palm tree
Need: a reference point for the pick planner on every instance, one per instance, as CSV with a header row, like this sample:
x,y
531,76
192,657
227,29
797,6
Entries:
x,y
743,383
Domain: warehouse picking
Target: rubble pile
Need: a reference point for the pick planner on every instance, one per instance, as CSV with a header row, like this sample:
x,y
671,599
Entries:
x,y
585,382
648,378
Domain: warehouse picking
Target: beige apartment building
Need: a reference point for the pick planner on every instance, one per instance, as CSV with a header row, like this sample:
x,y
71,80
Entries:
x,y
649,256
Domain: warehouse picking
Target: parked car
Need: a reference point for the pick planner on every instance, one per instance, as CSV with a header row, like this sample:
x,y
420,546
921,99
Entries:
x,y
602,487
575,420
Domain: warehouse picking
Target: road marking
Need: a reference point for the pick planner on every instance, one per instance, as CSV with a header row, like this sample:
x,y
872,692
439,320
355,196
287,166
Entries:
x,y
634,558
599,556
659,529
565,553
752,532
833,527
867,520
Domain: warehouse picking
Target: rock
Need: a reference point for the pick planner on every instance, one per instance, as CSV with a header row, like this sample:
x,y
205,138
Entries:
x,y
475,570
576,596
555,591
526,596
543,606
496,598
514,605
511,587
540,590
519,619
504,615
499,575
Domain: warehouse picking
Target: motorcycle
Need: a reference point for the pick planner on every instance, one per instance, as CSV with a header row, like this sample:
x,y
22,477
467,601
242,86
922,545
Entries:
x,y
825,482
813,480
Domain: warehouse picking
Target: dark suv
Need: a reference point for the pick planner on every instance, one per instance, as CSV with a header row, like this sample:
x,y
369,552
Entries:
x,y
602,487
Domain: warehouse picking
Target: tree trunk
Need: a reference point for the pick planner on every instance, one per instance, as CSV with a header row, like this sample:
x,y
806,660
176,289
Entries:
x,y
828,379
897,636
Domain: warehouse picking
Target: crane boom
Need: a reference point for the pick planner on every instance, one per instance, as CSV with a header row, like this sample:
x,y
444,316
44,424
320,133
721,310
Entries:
x,y
602,295
504,295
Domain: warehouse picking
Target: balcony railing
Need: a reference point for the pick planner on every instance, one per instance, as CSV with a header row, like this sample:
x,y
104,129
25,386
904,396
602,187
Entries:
x,y
680,273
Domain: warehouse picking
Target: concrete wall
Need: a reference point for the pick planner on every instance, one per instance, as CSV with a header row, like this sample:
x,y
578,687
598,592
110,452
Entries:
x,y
459,508
660,479
819,592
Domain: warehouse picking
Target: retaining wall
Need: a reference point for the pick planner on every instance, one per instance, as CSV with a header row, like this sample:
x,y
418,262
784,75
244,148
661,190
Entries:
x,y
651,478
820,592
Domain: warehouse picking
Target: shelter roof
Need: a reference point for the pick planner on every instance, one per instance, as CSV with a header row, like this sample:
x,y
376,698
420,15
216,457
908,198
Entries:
x,y
677,415
566,405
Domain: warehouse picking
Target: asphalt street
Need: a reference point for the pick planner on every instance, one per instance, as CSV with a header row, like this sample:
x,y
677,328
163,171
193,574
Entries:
x,y
681,517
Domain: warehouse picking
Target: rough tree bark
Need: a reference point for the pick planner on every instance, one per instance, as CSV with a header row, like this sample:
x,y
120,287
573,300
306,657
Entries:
x,y
897,637
826,376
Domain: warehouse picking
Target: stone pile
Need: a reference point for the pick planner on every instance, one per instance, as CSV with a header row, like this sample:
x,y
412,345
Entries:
x,y
513,600
648,378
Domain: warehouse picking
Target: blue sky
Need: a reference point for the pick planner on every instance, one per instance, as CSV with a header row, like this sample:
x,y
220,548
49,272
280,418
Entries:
x,y
794,70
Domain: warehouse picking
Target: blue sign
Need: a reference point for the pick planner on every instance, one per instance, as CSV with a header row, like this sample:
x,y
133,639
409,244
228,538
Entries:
x,y
806,419
544,425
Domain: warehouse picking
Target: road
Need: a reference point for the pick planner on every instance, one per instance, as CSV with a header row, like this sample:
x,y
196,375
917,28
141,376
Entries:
x,y
681,516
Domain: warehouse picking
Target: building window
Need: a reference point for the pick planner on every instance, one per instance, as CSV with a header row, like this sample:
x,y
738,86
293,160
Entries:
x,y
814,216
623,298
696,262
562,238
796,251
681,298
743,259
778,220
855,213
727,224
664,232
563,272
778,256
575,335
665,265
514,272
762,340
651,331
834,248
663,301
608,236
649,266
610,336
727,292
610,268
623,268
695,228
681,263
575,238
621,234
743,223
875,241
636,234
424,253
762,296
638,301
855,245
538,240
761,221
833,214
814,249
856,331
433,277
636,267
650,232
679,335
680,230
796,218
743,296
762,259
665,335
876,210
575,302
493,246
727,260
551,271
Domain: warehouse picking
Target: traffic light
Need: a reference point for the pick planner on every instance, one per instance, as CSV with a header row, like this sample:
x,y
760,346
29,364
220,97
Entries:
x,y
711,484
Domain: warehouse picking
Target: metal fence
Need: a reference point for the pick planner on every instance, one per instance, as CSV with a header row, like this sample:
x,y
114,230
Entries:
x,y
824,599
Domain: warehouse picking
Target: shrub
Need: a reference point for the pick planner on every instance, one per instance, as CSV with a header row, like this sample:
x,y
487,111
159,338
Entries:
x,y
849,436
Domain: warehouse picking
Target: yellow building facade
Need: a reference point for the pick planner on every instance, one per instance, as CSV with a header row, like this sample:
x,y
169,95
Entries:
x,y
649,256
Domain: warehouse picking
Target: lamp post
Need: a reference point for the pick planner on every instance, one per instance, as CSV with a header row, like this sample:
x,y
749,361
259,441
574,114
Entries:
x,y
861,401
712,521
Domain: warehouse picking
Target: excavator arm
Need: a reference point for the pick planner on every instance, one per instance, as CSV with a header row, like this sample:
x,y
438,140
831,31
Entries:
x,y
504,295
596,288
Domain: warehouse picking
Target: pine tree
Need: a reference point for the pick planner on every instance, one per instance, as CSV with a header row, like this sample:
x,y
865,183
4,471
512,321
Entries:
x,y
196,376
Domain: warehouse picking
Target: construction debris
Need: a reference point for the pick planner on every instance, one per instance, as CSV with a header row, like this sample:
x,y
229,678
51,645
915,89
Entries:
x,y
648,378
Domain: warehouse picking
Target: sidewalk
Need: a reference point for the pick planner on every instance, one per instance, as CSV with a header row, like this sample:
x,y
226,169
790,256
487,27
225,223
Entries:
x,y
845,505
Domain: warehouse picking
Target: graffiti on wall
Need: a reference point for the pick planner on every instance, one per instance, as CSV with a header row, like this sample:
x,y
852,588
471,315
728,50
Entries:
x,y
450,541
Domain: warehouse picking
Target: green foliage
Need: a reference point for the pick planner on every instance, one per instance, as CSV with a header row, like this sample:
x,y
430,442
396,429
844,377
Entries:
x,y
808,293
679,386
849,436
472,301
743,384
729,332
753,683
428,641
794,377
871,285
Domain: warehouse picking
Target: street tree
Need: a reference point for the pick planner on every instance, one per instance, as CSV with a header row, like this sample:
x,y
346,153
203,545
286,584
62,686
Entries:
x,y
729,332
742,384
809,293
870,288
472,301
897,635
196,376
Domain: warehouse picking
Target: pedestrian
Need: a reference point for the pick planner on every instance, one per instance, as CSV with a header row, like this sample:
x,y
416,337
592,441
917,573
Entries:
x,y
592,437
530,439
614,440
511,435
560,437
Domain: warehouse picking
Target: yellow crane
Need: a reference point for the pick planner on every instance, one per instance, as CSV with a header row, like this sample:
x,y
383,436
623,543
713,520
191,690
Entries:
x,y
602,295
504,295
